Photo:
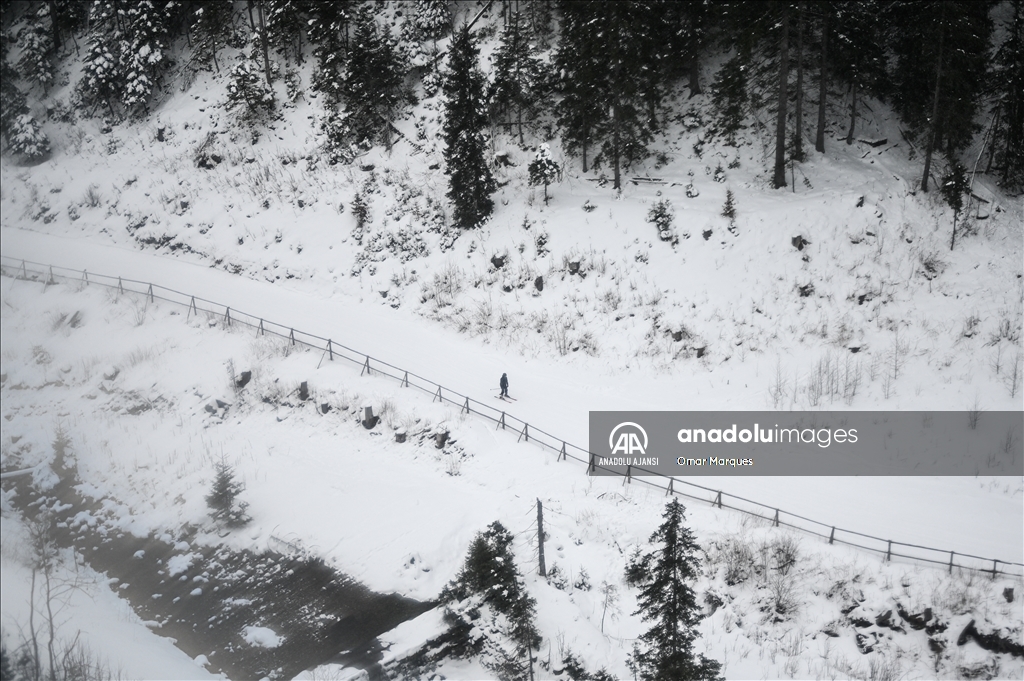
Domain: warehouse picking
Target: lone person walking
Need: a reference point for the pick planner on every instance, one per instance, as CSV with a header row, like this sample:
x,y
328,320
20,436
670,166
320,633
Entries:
x,y
503,383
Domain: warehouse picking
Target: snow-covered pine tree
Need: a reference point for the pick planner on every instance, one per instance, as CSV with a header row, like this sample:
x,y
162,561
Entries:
x,y
470,183
729,94
26,138
36,65
954,186
543,169
668,603
518,77
143,57
286,22
12,99
373,88
223,497
211,27
248,89
103,79
489,578
432,20
328,33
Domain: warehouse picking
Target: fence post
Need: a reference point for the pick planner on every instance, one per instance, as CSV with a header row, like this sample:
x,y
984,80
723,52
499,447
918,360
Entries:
x,y
85,277
260,331
994,562
366,369
950,562
562,454
590,468
405,381
150,293
629,474
718,500
120,288
330,350
465,406
291,335
832,536
50,280
501,422
24,270
437,395
192,308
668,492
776,518
888,552
227,316
525,433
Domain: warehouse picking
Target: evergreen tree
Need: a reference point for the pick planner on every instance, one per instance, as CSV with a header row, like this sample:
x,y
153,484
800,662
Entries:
x,y
940,59
489,577
518,77
579,64
668,602
857,52
1008,88
223,498
143,57
373,89
543,169
210,24
470,183
247,89
103,78
12,100
286,22
432,20
729,94
328,33
954,186
36,64
26,138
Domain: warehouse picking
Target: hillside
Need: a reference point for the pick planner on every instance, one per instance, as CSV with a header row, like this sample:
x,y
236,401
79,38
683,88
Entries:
x,y
838,291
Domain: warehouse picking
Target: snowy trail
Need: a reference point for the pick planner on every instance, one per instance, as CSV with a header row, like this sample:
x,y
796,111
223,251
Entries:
x,y
947,513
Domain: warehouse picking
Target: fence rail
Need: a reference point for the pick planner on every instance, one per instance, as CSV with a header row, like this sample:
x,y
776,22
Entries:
x,y
332,350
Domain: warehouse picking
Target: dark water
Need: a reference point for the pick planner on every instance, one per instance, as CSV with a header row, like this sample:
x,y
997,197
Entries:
x,y
322,615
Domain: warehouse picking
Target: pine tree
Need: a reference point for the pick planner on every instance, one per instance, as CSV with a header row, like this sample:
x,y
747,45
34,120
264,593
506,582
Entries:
x,y
286,22
432,20
579,64
211,25
143,57
543,169
489,577
729,94
26,138
35,64
1008,88
223,498
373,89
668,602
470,183
103,79
12,100
941,52
247,89
328,33
954,186
857,52
518,77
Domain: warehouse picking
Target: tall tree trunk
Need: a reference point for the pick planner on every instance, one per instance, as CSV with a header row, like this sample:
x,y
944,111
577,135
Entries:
x,y
798,133
779,179
584,145
263,37
819,138
992,148
934,123
853,110
252,23
55,26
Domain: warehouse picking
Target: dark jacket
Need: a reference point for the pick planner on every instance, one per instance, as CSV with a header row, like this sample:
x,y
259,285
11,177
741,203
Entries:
x,y
504,382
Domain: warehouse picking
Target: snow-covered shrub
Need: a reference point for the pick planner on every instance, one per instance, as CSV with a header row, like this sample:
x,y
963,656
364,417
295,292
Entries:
x,y
729,210
26,139
543,169
248,90
719,175
661,216
361,212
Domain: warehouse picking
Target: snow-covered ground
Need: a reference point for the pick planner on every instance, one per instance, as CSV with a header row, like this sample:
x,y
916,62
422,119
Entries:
x,y
268,231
